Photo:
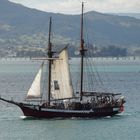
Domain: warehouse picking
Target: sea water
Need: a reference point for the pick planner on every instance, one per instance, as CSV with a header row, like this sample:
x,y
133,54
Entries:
x,y
120,76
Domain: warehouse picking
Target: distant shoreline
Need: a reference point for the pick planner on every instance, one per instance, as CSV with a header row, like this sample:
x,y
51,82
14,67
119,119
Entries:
x,y
71,58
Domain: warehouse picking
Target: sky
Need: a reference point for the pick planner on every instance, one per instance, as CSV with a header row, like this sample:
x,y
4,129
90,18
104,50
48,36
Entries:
x,y
74,6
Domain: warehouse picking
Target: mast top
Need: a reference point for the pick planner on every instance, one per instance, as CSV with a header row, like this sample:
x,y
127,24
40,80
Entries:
x,y
49,39
82,40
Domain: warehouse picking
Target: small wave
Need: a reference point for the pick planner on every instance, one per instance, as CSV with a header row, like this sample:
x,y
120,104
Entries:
x,y
107,117
23,117
124,114
29,118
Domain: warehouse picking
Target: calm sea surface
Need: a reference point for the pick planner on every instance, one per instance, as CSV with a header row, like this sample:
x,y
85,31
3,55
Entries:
x,y
121,76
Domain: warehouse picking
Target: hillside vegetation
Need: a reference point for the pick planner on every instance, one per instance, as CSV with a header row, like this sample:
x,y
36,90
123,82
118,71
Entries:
x,y
22,28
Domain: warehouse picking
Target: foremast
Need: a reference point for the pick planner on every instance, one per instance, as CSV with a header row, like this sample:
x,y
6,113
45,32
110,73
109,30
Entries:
x,y
50,61
82,53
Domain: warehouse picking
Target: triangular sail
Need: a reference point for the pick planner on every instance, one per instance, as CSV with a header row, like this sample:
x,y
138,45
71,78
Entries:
x,y
60,77
35,89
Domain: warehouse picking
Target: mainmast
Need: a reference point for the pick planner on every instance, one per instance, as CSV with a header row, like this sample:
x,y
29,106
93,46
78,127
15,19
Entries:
x,y
82,52
50,61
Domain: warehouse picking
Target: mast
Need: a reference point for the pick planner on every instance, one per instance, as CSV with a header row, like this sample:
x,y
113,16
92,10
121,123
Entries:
x,y
50,61
82,53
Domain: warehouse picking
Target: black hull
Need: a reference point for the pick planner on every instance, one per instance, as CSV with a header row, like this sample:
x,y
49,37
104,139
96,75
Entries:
x,y
54,113
43,112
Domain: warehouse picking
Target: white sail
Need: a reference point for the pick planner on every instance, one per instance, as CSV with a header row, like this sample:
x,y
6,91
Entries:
x,y
35,89
60,78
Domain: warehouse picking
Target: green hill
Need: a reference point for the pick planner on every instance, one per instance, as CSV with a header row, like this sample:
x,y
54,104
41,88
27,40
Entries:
x,y
22,27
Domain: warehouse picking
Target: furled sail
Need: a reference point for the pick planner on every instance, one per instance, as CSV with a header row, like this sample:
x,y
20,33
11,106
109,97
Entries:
x,y
35,89
60,77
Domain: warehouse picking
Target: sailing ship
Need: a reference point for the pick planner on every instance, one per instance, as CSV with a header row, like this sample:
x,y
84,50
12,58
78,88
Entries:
x,y
61,100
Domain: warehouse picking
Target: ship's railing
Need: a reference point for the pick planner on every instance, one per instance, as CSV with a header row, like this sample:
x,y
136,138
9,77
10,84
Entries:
x,y
100,94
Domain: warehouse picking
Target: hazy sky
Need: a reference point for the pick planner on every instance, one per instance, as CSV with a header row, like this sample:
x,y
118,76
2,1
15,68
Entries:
x,y
74,6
